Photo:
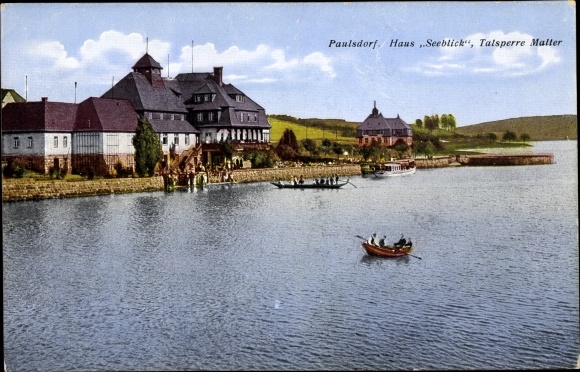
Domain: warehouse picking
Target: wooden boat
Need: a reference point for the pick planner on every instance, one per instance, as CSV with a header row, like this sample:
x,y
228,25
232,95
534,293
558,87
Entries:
x,y
387,251
396,169
311,185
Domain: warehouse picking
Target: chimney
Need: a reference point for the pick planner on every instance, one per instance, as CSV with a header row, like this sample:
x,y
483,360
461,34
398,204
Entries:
x,y
44,99
217,75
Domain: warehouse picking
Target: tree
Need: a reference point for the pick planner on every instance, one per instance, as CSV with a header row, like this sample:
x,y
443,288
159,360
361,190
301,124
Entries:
x,y
492,137
524,137
288,148
444,122
337,149
326,145
419,123
432,122
509,136
451,122
309,145
148,149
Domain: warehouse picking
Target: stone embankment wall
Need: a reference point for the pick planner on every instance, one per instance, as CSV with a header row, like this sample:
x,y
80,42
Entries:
x,y
485,160
435,162
28,189
286,174
479,160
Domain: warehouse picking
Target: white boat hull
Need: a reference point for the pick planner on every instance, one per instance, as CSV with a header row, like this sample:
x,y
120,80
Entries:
x,y
396,173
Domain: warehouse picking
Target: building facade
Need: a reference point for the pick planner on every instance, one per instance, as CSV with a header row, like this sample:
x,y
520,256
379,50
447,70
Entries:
x,y
387,132
93,136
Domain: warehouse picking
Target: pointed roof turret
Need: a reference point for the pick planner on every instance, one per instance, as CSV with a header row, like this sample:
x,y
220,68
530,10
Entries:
x,y
375,111
146,62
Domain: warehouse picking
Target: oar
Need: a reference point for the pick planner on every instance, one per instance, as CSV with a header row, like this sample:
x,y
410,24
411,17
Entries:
x,y
409,254
360,237
347,181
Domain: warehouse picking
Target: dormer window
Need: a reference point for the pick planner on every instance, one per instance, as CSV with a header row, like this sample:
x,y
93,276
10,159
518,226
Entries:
x,y
197,98
239,98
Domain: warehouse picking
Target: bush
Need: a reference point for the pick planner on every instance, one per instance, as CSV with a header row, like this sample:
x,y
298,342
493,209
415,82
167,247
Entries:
x,y
14,168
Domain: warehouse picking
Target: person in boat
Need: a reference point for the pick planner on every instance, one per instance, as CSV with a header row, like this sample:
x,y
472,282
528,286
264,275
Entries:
x,y
382,241
280,181
336,178
401,242
301,180
372,239
295,180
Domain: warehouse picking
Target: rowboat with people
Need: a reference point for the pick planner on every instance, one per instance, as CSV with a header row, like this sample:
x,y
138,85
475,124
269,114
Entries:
x,y
401,248
310,185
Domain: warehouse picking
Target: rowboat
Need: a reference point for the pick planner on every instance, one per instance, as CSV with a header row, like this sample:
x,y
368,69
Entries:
x,y
292,185
396,169
387,251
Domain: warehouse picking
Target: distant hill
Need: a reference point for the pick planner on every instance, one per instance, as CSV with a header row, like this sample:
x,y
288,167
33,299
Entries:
x,y
539,128
318,129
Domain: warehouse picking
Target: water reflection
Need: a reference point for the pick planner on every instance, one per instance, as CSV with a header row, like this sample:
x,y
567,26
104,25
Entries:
x,y
254,277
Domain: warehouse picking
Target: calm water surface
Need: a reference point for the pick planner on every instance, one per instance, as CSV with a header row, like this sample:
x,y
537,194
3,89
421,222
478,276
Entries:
x,y
254,277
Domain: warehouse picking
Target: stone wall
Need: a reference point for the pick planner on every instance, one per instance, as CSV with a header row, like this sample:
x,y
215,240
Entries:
x,y
486,160
286,174
29,189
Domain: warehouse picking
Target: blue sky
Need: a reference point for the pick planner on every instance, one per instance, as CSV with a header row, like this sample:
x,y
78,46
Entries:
x,y
279,54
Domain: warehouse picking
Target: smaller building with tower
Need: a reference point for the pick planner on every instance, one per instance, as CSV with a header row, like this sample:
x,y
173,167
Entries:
x,y
379,130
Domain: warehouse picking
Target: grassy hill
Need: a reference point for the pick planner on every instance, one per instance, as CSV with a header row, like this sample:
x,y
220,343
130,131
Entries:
x,y
336,130
539,128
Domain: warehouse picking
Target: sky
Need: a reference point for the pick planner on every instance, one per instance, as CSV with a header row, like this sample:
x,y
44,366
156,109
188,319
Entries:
x,y
295,58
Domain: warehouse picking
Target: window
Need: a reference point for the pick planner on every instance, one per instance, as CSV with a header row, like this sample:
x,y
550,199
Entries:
x,y
164,140
187,140
55,142
157,115
167,117
176,139
242,117
199,117
30,142
16,142
239,98
207,97
211,116
64,141
197,98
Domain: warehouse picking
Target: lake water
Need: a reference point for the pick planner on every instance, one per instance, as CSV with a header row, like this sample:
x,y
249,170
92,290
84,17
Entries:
x,y
254,277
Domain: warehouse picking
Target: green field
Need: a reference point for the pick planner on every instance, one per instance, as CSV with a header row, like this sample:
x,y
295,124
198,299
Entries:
x,y
539,128
313,132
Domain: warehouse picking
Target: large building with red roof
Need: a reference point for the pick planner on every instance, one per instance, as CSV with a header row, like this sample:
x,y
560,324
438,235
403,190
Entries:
x,y
192,114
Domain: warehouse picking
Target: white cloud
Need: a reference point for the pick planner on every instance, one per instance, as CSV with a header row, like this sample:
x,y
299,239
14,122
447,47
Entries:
x,y
112,54
475,58
322,62
280,62
55,52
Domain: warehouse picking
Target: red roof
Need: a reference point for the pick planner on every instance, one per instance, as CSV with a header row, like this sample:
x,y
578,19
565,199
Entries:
x,y
43,116
106,115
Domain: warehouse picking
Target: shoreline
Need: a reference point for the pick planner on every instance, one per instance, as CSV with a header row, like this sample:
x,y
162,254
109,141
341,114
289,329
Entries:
x,y
24,189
